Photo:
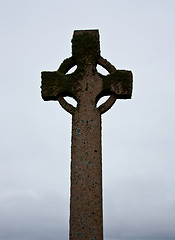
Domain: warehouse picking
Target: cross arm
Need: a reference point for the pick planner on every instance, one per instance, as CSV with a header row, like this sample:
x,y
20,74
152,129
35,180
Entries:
x,y
55,84
119,82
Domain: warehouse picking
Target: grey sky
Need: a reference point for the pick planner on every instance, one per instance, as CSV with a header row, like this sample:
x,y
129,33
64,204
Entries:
x,y
138,134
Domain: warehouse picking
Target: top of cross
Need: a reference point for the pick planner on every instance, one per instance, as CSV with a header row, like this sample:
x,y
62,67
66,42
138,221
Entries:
x,y
86,81
85,46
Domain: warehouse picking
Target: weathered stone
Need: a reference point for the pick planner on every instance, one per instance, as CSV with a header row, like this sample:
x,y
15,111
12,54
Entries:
x,y
86,86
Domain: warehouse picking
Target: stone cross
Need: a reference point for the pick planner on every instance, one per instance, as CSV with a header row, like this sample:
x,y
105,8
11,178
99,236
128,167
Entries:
x,y
86,86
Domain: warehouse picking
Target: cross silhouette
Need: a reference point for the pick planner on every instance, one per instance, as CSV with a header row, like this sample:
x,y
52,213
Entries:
x,y
86,86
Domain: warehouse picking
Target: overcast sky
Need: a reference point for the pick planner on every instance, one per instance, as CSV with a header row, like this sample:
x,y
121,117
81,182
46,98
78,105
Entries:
x,y
138,134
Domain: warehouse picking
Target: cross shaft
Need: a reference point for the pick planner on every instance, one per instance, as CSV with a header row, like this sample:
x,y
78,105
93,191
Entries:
x,y
86,86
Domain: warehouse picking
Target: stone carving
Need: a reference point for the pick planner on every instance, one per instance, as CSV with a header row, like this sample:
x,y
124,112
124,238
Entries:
x,y
86,86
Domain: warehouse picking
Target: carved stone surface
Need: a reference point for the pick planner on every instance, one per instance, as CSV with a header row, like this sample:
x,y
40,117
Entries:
x,y
86,86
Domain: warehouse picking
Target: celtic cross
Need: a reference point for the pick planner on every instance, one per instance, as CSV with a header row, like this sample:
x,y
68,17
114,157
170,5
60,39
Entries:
x,y
86,86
